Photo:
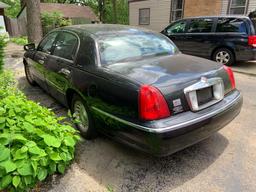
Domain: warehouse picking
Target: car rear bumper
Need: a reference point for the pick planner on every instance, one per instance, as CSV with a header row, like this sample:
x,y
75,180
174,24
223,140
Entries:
x,y
167,136
247,54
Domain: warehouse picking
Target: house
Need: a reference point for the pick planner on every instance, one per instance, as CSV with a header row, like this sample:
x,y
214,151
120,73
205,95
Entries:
x,y
157,14
2,17
78,14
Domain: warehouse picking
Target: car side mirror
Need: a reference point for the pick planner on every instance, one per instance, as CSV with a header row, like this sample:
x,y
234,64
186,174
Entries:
x,y
30,47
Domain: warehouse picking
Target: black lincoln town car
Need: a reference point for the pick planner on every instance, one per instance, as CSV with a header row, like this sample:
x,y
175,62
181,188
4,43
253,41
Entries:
x,y
134,86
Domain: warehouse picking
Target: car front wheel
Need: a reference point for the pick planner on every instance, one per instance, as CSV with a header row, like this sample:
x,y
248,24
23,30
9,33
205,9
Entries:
x,y
224,56
83,118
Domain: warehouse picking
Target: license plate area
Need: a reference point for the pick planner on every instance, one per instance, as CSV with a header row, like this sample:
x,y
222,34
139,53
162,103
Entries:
x,y
204,93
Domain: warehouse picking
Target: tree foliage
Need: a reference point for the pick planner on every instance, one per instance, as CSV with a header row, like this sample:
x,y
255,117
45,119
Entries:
x,y
14,8
111,11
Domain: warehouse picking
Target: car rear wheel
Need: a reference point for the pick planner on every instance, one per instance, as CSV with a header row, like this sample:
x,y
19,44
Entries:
x,y
83,118
29,76
224,56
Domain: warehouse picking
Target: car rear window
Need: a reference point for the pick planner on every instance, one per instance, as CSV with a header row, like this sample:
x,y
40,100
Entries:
x,y
231,25
130,47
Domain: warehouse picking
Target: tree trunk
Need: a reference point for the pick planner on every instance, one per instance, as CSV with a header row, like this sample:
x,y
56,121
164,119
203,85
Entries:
x,y
114,11
34,26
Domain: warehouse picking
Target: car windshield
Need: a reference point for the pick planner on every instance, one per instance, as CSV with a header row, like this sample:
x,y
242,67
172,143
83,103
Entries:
x,y
130,47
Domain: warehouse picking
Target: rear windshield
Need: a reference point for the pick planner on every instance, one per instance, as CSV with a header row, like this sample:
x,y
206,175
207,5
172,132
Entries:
x,y
231,25
129,47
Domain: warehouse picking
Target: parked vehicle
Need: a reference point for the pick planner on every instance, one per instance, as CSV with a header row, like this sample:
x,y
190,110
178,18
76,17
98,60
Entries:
x,y
225,39
133,85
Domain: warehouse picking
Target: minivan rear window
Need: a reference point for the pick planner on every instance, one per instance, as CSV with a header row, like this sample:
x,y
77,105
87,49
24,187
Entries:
x,y
231,25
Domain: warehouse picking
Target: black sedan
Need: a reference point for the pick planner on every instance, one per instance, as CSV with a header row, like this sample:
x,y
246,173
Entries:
x,y
133,85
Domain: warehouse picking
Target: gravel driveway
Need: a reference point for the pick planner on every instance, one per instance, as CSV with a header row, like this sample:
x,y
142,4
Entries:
x,y
224,162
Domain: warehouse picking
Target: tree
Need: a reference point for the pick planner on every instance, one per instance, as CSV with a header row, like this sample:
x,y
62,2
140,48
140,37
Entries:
x,y
34,26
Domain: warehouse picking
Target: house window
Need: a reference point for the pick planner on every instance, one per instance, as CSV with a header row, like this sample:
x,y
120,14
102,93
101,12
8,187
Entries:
x,y
176,10
238,7
144,16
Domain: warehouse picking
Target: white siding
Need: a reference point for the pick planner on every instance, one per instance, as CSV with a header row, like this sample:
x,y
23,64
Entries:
x,y
224,8
252,6
159,13
225,3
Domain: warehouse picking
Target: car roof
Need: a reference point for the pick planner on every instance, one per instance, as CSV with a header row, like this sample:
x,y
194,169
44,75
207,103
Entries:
x,y
219,16
106,29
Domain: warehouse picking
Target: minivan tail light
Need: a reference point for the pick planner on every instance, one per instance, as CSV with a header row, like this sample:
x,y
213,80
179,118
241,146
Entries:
x,y
231,76
252,40
152,104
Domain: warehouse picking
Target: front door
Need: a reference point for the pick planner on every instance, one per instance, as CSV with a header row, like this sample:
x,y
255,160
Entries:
x,y
41,58
60,65
176,32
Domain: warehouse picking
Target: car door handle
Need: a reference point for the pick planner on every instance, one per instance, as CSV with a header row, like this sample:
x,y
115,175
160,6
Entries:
x,y
65,72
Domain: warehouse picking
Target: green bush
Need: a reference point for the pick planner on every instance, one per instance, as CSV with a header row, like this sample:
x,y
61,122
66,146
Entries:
x,y
33,143
19,40
2,46
53,20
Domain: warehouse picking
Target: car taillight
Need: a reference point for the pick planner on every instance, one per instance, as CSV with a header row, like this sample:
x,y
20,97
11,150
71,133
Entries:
x,y
231,76
152,105
252,40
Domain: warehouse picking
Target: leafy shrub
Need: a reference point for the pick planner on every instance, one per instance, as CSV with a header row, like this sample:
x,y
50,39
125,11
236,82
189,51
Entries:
x,y
53,20
33,144
2,46
20,40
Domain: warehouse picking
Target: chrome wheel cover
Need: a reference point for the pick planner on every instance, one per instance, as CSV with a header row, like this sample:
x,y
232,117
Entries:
x,y
81,115
222,57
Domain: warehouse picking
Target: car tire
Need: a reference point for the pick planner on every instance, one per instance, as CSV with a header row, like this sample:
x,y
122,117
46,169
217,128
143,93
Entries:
x,y
224,56
29,76
81,112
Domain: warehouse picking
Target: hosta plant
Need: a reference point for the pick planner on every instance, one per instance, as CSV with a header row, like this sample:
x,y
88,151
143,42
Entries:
x,y
33,144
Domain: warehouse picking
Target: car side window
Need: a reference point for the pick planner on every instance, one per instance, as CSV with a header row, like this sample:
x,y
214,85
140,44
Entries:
x,y
46,44
231,25
200,25
65,46
178,27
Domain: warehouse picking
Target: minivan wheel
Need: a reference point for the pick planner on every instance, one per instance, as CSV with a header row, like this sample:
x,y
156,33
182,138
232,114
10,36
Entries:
x,y
29,76
224,56
83,118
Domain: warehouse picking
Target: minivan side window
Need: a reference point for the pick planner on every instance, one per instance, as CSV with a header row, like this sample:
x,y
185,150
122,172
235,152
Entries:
x,y
231,25
66,46
200,25
178,27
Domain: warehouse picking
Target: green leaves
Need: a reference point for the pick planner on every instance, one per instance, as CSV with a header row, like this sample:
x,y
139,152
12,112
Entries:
x,y
42,173
33,144
25,169
16,181
5,153
51,141
8,165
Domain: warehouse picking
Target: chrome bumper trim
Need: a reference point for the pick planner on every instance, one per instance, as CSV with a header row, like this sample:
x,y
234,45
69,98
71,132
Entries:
x,y
173,127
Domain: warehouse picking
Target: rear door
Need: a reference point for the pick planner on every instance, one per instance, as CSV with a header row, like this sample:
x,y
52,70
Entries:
x,y
176,32
61,63
37,66
199,36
